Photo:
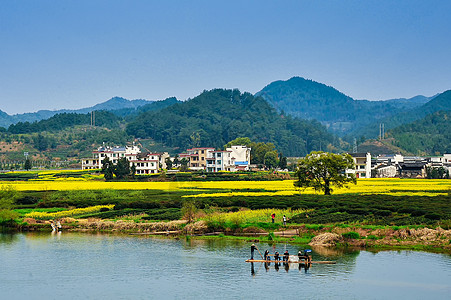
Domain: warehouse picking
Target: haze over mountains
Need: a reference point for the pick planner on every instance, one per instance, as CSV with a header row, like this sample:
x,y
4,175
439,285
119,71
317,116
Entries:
x,y
115,103
215,117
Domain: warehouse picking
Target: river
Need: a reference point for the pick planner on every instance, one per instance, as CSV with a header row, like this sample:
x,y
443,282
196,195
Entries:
x,y
106,266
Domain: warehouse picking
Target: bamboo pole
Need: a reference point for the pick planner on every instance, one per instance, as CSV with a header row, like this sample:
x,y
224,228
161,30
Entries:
x,y
259,252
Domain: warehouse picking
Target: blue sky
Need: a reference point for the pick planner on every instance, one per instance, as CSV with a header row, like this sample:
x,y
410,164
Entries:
x,y
73,54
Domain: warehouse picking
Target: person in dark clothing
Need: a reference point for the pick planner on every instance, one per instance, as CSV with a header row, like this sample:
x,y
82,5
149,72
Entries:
x,y
273,216
286,255
276,256
266,255
252,251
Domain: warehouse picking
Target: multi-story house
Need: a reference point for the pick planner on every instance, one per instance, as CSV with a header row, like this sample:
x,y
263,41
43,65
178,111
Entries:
x,y
362,163
241,157
113,154
197,157
235,158
219,161
145,163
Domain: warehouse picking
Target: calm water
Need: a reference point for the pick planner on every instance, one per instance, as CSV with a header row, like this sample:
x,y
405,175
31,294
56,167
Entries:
x,y
98,266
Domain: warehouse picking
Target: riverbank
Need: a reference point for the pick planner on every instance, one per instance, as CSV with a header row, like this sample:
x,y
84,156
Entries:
x,y
329,236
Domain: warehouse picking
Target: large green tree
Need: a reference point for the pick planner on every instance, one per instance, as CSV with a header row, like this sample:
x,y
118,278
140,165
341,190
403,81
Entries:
x,y
107,168
27,165
122,168
322,170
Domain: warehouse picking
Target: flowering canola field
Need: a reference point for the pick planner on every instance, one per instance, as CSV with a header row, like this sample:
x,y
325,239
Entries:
x,y
397,187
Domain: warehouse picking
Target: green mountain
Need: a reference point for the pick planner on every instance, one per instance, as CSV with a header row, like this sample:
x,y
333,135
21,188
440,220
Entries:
x,y
61,121
308,99
218,116
121,105
430,135
441,102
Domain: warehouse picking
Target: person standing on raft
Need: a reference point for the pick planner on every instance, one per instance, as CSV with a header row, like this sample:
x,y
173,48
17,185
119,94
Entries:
x,y
253,247
286,255
266,255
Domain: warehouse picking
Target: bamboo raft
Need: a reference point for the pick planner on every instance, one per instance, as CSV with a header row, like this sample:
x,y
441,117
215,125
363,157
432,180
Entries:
x,y
292,262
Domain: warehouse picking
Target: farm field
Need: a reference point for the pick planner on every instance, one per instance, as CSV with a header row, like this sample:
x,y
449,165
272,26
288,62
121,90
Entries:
x,y
230,205
394,187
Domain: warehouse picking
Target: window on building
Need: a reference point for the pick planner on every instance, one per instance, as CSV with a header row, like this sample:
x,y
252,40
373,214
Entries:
x,y
218,162
219,154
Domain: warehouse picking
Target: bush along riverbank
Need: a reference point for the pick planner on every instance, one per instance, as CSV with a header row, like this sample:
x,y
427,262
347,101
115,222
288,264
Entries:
x,y
337,235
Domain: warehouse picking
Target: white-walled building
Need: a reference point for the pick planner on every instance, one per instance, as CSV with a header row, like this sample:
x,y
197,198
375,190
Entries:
x,y
235,158
145,163
113,154
362,163
241,157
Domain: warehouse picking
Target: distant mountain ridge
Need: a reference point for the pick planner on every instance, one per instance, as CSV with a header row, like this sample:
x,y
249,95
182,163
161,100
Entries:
x,y
115,103
342,114
441,102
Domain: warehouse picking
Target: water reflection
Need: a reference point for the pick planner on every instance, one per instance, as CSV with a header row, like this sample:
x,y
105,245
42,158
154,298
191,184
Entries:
x,y
8,238
108,266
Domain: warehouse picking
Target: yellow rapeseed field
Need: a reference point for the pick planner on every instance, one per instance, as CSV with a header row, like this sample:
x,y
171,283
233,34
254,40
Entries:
x,y
66,213
401,187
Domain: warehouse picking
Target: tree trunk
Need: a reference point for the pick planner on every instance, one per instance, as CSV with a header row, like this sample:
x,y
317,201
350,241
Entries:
x,y
326,187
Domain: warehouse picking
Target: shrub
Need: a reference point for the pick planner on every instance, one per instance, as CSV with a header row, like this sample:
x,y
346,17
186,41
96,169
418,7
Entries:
x,y
351,235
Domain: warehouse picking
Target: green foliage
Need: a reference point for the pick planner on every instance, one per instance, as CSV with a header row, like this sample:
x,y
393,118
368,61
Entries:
x,y
27,164
8,196
430,135
308,99
122,168
271,160
322,170
437,173
168,162
439,103
7,217
239,141
189,210
64,120
218,116
107,168
351,235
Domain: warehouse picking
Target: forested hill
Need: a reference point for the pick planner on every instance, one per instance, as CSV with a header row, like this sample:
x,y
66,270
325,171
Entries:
x,y
441,102
123,106
218,116
64,120
430,135
312,100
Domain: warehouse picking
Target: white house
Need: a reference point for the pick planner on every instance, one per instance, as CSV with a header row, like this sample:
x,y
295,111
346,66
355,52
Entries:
x,y
241,157
145,163
362,163
113,154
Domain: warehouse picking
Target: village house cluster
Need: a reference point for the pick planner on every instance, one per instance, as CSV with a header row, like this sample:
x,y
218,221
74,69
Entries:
x,y
237,158
396,165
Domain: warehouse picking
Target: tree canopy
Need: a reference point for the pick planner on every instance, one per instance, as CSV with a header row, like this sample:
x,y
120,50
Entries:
x,y
218,116
322,170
